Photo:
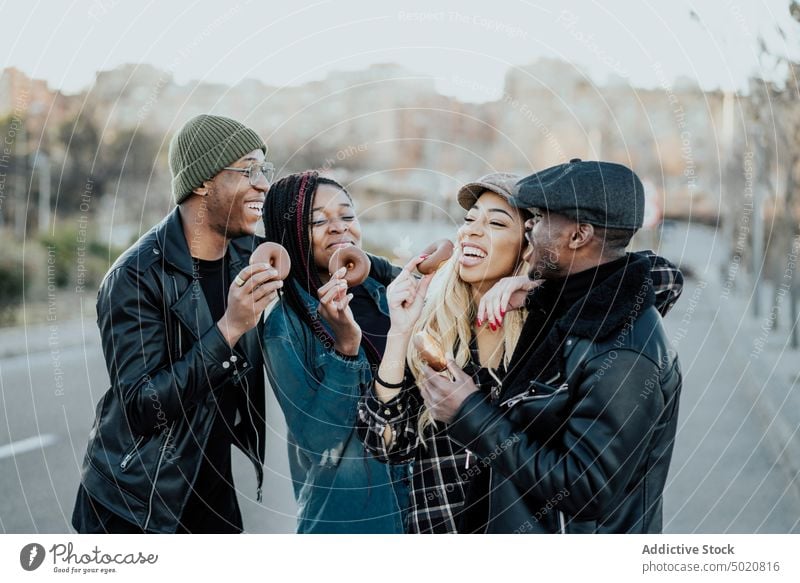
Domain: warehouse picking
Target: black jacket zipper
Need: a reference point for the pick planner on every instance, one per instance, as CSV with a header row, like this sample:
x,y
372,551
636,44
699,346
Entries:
x,y
123,465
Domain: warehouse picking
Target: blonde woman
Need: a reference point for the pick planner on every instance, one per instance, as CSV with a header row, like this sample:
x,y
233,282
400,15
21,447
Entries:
x,y
475,311
396,425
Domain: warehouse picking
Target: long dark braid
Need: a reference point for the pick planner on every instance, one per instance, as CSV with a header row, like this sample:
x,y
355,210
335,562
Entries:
x,y
287,220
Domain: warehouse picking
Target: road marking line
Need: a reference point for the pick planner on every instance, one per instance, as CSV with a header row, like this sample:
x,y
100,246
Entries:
x,y
26,445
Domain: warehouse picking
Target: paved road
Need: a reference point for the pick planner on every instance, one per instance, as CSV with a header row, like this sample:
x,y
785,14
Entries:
x,y
726,473
53,394
732,470
729,473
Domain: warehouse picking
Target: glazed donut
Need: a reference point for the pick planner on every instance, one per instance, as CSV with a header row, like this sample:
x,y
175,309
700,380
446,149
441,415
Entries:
x,y
438,252
430,351
275,256
356,261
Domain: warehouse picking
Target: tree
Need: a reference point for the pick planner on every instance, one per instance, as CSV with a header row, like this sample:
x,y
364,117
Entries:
x,y
774,110
81,173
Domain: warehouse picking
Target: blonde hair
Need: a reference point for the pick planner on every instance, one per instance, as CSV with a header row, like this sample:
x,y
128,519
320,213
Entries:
x,y
447,316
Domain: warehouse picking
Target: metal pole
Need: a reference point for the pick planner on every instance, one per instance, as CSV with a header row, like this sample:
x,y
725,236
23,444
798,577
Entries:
x,y
758,249
793,299
729,206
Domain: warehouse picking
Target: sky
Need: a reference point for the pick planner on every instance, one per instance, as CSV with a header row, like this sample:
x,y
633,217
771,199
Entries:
x,y
466,46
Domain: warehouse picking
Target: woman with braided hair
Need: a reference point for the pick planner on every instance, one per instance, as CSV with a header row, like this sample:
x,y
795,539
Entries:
x,y
321,343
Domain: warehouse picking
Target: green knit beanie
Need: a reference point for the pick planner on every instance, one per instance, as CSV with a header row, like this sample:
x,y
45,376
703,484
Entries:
x,y
205,145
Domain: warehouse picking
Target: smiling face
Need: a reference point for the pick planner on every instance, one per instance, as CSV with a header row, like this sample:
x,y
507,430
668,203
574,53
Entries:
x,y
233,205
549,254
490,242
334,224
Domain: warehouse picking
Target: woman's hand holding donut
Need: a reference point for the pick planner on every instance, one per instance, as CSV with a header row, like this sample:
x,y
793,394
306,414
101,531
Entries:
x,y
334,307
406,297
507,294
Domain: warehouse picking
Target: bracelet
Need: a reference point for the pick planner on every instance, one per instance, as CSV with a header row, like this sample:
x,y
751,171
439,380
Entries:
x,y
378,379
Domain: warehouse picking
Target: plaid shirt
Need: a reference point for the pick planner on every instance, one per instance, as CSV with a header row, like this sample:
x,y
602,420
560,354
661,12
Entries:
x,y
442,466
667,281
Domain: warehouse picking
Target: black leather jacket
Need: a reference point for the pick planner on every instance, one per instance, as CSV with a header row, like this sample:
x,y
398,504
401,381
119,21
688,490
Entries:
x,y
584,446
167,361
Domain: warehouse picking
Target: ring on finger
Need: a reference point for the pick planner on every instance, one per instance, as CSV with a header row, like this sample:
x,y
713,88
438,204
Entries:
x,y
239,281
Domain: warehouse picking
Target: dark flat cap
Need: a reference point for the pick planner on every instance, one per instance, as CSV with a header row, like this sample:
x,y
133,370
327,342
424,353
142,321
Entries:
x,y
603,194
502,183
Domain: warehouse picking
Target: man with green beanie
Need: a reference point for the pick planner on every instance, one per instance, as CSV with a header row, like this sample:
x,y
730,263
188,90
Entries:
x,y
178,314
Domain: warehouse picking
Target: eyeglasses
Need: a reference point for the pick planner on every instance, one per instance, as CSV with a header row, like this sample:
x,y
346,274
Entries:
x,y
256,171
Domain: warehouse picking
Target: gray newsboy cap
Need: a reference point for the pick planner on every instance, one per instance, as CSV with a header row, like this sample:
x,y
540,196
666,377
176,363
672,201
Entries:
x,y
502,183
603,194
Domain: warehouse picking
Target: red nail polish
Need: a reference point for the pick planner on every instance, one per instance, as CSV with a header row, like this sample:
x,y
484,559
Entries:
x,y
479,322
424,256
492,326
502,312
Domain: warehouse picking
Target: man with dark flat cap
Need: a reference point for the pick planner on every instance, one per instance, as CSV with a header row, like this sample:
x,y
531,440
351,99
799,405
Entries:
x,y
582,438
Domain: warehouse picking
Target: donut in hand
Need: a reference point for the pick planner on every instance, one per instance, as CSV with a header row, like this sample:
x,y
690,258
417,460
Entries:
x,y
356,262
430,351
438,252
273,255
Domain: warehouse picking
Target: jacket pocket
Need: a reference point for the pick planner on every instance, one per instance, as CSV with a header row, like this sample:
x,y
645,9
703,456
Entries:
x,y
124,464
542,410
113,484
537,391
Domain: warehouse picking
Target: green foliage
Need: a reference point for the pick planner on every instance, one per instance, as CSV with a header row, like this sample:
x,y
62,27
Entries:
x,y
61,250
15,280
78,261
